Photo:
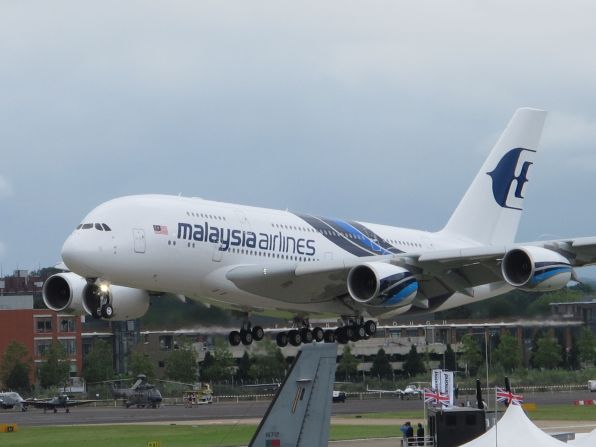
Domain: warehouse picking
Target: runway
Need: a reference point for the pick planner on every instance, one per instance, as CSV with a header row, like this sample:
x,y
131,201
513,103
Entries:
x,y
232,411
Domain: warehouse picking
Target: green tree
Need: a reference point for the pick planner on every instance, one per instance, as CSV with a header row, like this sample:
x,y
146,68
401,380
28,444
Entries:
x,y
449,362
413,364
242,373
586,346
548,353
14,367
182,364
54,371
220,365
140,363
471,354
268,363
381,367
508,353
99,364
348,365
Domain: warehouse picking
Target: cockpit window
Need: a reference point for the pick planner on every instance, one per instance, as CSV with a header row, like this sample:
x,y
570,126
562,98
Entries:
x,y
105,227
79,227
98,227
87,226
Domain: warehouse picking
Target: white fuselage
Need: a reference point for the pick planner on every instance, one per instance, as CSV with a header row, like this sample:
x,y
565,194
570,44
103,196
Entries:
x,y
187,245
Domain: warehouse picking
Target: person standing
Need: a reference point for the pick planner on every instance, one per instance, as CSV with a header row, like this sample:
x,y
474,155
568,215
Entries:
x,y
420,434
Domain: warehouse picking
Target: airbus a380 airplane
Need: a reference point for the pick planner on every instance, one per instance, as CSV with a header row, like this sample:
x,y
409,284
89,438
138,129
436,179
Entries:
x,y
256,258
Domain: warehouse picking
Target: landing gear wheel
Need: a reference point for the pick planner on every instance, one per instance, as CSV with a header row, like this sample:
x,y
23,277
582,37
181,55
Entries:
x,y
318,334
107,311
341,335
246,337
68,410
234,338
306,335
329,336
359,333
282,339
257,333
55,410
294,337
370,327
349,332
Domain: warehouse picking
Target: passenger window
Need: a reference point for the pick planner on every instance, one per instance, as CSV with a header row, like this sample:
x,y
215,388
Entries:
x,y
105,227
98,227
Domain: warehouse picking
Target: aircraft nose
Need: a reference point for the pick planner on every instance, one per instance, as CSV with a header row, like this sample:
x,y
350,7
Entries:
x,y
70,252
75,256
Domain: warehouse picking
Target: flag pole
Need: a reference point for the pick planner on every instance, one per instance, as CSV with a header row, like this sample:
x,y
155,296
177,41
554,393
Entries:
x,y
496,422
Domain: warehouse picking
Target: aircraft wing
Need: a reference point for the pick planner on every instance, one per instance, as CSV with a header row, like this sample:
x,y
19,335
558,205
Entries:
x,y
439,273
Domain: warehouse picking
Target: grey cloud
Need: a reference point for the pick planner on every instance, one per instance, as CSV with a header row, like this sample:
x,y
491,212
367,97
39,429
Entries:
x,y
379,112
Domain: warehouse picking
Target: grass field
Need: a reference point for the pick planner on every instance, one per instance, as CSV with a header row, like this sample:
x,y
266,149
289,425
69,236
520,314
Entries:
x,y
542,413
168,435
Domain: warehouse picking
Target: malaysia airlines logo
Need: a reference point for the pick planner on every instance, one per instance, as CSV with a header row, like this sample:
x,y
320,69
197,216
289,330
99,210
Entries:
x,y
511,170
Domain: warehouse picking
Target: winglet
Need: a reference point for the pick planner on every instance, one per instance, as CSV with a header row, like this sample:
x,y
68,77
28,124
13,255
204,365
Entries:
x,y
300,413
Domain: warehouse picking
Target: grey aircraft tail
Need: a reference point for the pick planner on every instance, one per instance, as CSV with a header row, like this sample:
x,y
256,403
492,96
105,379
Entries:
x,y
300,413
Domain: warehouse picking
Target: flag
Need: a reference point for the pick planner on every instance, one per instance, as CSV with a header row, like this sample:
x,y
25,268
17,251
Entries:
x,y
436,397
507,397
160,229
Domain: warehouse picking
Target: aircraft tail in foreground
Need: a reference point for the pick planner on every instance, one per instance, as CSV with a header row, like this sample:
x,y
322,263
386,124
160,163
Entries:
x,y
300,413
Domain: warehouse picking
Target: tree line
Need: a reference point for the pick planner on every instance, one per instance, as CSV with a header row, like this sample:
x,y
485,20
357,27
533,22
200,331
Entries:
x,y
267,364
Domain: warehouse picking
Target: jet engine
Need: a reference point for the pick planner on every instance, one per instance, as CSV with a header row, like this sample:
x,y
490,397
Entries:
x,y
63,292
381,285
536,269
124,303
72,294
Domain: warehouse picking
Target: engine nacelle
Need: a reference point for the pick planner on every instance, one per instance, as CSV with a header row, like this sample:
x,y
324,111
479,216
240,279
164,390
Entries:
x,y
536,269
381,285
63,292
127,303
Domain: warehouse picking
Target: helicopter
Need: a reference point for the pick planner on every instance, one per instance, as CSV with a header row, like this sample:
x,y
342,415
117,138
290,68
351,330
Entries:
x,y
142,394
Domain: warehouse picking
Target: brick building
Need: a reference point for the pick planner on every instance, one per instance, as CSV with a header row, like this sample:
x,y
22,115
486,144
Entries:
x,y
36,329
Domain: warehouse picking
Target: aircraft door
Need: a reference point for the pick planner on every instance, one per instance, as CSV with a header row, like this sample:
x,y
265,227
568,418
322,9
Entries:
x,y
139,240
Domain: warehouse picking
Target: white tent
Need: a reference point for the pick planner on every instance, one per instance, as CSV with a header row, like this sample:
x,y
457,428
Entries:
x,y
588,440
515,430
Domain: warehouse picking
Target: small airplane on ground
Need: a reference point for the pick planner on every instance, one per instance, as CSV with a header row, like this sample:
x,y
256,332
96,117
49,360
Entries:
x,y
12,399
60,401
412,391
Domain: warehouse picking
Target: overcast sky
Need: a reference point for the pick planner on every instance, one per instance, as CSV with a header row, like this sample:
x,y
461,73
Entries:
x,y
381,111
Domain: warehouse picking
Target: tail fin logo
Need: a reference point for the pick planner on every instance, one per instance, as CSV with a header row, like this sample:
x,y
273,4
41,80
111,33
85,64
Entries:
x,y
503,177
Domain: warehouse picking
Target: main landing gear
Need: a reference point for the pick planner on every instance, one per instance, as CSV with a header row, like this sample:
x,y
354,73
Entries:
x,y
301,334
246,334
353,329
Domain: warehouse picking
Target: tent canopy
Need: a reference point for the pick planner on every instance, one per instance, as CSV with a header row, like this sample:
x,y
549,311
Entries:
x,y
515,430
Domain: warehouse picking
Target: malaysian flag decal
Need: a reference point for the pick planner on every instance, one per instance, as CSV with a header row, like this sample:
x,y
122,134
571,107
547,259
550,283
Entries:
x,y
160,229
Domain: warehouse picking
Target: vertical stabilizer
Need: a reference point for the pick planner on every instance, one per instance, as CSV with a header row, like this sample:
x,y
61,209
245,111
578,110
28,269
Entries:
x,y
301,410
490,210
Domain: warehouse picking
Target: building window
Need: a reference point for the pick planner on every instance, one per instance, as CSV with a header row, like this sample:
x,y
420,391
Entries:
x,y
43,325
70,346
165,342
67,325
42,347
